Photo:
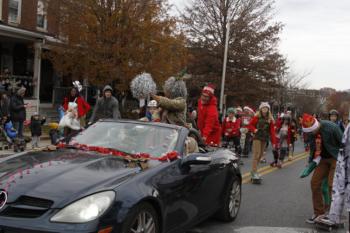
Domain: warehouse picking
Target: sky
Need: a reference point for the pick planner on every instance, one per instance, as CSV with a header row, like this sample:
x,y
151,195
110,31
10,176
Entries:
x,y
315,39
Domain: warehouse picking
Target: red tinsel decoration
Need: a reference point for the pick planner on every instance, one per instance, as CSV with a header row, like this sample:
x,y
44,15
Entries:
x,y
171,156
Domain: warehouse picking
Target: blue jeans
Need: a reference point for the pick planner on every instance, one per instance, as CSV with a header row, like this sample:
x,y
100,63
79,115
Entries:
x,y
18,125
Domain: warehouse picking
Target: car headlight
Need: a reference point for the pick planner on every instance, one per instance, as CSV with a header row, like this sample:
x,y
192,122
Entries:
x,y
86,209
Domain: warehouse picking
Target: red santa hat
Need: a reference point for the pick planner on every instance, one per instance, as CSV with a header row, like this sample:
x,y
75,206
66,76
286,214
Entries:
x,y
248,109
209,90
309,123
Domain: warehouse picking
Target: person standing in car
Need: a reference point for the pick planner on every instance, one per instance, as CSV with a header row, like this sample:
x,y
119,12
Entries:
x,y
173,103
107,106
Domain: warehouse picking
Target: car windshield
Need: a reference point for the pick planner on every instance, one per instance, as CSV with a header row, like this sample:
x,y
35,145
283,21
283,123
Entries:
x,y
131,138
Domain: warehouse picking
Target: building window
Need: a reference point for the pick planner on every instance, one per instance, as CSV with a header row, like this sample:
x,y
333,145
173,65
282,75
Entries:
x,y
41,20
15,11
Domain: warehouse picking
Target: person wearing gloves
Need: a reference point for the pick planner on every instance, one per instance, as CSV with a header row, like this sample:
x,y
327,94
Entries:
x,y
326,138
341,190
208,117
231,130
107,106
173,104
263,127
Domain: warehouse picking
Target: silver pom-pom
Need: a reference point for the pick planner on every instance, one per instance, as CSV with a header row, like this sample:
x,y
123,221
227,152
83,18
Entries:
x,y
142,86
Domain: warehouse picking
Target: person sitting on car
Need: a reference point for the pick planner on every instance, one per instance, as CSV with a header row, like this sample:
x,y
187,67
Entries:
x,y
173,104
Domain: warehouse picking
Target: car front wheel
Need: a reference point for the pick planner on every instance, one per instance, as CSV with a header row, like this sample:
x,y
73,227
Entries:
x,y
144,219
232,202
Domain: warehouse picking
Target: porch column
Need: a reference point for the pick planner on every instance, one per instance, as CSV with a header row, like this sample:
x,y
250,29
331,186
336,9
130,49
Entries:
x,y
37,72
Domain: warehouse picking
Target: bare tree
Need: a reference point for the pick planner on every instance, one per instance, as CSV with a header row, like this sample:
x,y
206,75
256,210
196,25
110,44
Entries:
x,y
254,63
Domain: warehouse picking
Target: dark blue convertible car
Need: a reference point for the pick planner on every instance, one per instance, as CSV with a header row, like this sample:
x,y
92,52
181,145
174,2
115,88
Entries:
x,y
120,177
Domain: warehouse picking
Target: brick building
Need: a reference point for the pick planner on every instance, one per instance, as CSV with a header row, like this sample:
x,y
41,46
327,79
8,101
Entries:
x,y
27,27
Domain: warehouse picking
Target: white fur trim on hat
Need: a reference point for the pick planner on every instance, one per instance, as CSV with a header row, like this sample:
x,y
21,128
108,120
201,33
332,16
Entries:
x,y
152,104
210,89
246,108
312,128
264,104
239,109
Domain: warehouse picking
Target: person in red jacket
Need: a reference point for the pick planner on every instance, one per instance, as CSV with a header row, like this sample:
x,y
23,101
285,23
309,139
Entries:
x,y
208,117
231,130
283,140
263,127
83,106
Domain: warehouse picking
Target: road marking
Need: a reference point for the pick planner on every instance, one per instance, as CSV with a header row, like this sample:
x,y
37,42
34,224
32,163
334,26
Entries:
x,y
268,169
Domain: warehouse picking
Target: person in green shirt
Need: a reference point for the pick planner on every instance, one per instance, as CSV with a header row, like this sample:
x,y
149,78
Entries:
x,y
331,141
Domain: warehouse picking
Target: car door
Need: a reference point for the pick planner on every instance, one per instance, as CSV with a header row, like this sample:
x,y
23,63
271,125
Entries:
x,y
190,194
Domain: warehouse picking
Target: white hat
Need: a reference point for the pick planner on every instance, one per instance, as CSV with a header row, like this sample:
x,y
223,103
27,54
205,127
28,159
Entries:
x,y
264,105
239,109
152,104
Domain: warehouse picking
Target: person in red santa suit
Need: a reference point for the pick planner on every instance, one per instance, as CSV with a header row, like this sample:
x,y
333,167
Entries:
x,y
208,117
230,130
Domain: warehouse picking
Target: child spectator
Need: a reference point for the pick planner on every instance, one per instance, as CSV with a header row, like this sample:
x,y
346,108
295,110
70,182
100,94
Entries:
x,y
8,133
152,112
54,133
231,130
36,123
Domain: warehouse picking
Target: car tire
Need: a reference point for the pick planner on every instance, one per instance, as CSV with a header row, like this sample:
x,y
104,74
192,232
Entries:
x,y
232,202
143,219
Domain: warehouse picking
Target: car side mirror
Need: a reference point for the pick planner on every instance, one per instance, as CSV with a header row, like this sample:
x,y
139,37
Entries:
x,y
195,159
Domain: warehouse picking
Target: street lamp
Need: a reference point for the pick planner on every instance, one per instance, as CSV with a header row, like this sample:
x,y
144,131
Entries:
x,y
225,64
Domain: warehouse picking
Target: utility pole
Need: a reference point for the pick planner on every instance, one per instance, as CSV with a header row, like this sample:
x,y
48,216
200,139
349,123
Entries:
x,y
224,65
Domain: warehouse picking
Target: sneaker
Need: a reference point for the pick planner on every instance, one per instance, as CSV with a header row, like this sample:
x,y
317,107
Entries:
x,y
312,219
273,164
254,175
325,220
263,161
279,164
290,158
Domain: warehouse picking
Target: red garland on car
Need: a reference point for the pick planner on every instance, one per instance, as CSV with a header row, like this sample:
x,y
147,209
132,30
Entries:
x,y
170,156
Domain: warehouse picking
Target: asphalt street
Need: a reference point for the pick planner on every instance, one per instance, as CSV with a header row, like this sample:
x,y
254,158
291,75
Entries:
x,y
281,204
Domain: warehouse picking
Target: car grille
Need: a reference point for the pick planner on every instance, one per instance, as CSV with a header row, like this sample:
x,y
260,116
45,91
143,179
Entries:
x,y
27,207
32,201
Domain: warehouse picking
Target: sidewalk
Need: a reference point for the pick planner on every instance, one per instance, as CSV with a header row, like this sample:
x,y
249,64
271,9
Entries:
x,y
44,142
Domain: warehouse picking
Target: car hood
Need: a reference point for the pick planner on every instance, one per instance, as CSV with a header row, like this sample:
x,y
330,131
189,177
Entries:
x,y
62,176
